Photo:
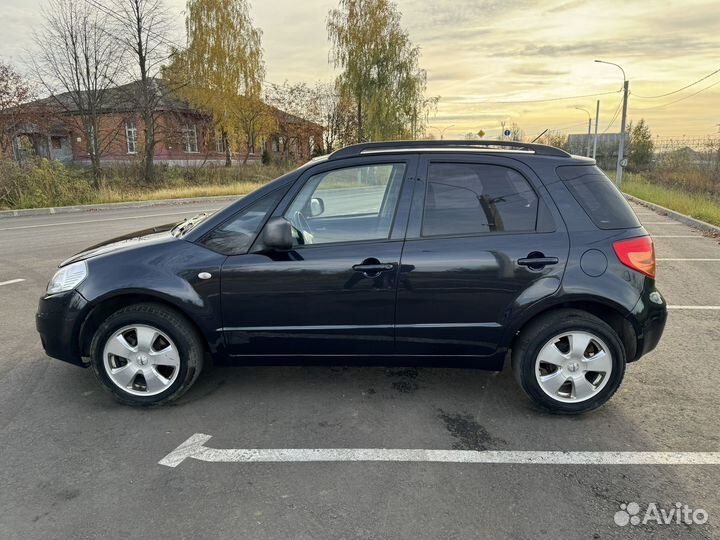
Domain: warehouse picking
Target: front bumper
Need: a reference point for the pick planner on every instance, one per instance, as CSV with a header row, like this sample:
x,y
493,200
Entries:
x,y
58,320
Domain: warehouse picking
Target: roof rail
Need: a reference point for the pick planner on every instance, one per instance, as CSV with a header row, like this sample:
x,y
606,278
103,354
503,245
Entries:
x,y
376,147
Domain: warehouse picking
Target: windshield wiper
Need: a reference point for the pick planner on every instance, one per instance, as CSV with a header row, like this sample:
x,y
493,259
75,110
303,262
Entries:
x,y
184,226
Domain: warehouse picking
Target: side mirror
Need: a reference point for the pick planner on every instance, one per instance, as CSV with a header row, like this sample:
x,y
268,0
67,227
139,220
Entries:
x,y
277,235
317,207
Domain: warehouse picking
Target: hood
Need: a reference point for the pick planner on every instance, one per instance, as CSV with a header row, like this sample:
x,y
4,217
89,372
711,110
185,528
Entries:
x,y
121,243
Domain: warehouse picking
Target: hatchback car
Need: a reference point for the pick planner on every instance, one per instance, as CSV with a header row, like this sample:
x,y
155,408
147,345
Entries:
x,y
454,253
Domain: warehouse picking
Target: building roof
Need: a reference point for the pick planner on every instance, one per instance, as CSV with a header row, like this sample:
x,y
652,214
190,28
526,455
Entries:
x,y
127,97
118,99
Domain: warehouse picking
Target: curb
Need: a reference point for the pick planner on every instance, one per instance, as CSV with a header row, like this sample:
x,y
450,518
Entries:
x,y
677,216
114,206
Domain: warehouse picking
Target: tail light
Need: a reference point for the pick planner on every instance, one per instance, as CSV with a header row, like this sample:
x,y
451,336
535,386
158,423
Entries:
x,y
638,254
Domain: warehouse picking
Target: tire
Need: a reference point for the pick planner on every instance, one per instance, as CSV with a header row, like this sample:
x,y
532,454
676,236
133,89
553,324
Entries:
x,y
584,377
146,354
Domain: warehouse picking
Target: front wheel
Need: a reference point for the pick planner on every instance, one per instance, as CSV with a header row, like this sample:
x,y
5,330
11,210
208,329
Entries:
x,y
146,354
569,361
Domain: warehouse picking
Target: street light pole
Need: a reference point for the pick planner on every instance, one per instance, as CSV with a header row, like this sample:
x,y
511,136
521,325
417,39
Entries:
x,y
597,121
621,146
442,130
587,152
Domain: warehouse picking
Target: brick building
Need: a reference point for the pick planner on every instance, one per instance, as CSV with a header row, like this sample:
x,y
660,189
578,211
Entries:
x,y
51,128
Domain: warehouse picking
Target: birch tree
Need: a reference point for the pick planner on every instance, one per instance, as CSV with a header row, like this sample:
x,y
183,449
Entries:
x,y
380,69
223,60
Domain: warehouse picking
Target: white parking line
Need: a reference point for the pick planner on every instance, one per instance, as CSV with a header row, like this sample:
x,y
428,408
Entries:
x,y
661,259
194,448
662,223
98,220
677,236
10,282
711,308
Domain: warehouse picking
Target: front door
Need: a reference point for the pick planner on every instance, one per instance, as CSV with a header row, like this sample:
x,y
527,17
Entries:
x,y
476,224
333,294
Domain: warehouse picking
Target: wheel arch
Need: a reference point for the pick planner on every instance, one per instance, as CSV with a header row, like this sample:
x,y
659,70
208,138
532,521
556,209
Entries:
x,y
611,313
107,305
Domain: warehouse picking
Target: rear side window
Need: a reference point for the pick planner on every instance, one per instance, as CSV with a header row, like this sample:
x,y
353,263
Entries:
x,y
598,196
472,198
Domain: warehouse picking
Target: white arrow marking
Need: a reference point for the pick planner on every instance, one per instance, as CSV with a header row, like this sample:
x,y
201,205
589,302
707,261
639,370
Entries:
x,y
195,448
10,282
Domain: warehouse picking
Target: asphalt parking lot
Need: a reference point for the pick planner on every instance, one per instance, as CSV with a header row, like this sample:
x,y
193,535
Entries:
x,y
75,464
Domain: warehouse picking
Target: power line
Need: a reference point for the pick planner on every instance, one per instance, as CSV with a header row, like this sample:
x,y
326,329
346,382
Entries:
x,y
614,117
679,89
545,100
680,99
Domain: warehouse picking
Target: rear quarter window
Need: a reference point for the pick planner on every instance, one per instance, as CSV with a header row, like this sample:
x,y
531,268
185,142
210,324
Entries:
x,y
598,196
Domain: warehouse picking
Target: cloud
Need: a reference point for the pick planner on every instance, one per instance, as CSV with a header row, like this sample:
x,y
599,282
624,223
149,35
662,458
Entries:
x,y
634,47
567,6
532,69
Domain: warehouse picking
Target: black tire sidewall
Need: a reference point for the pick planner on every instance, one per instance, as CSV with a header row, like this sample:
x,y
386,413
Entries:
x,y
541,334
183,339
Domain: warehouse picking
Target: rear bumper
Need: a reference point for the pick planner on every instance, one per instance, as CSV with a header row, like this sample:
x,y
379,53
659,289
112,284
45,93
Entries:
x,y
58,321
649,316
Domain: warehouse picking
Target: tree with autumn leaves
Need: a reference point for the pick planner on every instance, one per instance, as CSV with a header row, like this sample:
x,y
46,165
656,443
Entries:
x,y
15,92
380,74
221,71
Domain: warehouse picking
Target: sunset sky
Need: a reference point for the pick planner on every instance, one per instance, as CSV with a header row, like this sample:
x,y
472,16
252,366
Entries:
x,y
482,55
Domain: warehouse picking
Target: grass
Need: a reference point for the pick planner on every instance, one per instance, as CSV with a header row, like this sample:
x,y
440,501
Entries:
x,y
700,206
45,183
113,195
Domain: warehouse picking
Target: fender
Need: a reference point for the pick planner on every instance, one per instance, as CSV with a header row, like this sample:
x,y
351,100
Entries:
x,y
560,299
176,282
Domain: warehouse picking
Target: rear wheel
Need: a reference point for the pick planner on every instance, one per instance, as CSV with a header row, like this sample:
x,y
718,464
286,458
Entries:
x,y
146,354
569,361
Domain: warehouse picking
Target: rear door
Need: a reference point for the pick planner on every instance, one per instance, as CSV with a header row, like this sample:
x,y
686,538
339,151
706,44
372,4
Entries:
x,y
484,240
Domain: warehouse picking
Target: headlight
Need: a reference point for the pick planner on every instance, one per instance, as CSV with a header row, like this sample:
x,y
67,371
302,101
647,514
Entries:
x,y
68,277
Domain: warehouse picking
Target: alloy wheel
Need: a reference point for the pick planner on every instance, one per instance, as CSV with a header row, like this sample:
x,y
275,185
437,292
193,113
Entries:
x,y
573,366
141,360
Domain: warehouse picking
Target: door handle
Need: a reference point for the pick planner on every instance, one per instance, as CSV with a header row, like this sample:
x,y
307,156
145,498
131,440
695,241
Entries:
x,y
373,268
538,262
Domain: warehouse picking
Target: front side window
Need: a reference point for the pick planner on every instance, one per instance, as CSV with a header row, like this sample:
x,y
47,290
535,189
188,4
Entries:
x,y
235,236
190,139
131,137
472,198
345,205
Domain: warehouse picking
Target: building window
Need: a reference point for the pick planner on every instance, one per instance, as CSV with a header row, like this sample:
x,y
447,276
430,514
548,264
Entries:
x,y
275,144
131,137
190,139
219,142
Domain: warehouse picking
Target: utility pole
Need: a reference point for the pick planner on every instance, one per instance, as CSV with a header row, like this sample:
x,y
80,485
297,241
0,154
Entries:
x,y
587,151
621,146
597,121
621,149
588,136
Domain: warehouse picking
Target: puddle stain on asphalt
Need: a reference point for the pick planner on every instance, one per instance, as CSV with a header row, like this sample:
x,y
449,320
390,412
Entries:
x,y
468,433
405,387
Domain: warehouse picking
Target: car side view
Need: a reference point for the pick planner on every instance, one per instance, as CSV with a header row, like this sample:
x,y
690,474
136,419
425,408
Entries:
x,y
455,253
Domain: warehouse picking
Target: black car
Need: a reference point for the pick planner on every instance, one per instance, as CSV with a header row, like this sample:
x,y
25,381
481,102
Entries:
x,y
455,253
